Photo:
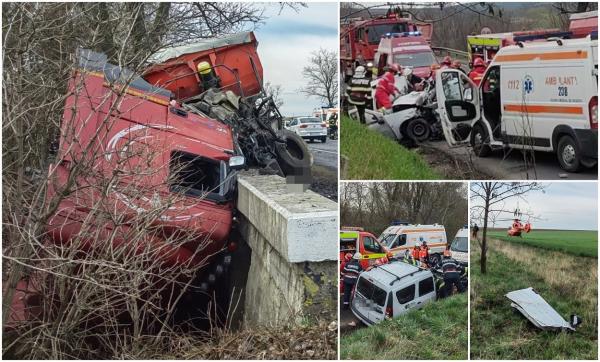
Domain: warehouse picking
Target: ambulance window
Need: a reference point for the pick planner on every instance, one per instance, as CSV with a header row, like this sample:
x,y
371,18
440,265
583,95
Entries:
x,y
406,295
491,81
402,240
425,286
371,245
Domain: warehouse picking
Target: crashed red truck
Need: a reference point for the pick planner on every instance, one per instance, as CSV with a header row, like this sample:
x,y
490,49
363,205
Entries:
x,y
136,132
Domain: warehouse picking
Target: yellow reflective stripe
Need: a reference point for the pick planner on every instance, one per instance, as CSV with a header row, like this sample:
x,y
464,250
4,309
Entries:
x,y
348,234
374,256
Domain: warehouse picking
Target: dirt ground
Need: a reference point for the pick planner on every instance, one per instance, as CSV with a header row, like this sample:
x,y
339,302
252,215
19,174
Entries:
x,y
450,167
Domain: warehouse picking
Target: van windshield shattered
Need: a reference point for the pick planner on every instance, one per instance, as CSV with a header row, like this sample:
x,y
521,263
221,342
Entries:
x,y
459,244
371,291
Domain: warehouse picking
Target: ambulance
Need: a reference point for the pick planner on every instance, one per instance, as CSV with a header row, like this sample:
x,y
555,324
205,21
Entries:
x,y
459,248
401,237
353,239
539,96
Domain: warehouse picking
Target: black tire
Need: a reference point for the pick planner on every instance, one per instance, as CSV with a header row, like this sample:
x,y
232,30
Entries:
x,y
568,153
418,130
434,259
479,138
293,155
324,139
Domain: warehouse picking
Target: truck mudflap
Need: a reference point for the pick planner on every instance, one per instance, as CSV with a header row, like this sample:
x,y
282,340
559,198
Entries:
x,y
539,312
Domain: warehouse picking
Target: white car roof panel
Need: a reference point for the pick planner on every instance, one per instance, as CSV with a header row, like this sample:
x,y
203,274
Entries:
x,y
537,310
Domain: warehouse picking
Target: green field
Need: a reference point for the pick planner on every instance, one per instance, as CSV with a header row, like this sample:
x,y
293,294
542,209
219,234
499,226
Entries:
x,y
438,331
576,242
373,156
567,282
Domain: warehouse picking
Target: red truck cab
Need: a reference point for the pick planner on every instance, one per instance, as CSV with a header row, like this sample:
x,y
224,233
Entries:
x,y
359,38
408,49
141,153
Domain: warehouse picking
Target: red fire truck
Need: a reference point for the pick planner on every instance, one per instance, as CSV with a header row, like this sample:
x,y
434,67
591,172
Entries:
x,y
408,49
359,38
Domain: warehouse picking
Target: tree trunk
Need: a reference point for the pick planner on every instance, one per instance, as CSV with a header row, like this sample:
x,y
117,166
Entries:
x,y
483,262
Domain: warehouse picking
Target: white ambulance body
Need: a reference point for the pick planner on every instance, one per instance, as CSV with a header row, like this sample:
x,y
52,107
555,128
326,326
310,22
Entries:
x,y
401,238
539,96
459,248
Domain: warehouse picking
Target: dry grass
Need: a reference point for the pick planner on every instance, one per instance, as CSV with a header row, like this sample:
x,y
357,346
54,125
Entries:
x,y
565,272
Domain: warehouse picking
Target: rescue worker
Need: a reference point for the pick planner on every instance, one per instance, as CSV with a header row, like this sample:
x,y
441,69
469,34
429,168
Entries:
x,y
475,230
451,273
359,92
434,68
476,74
352,269
446,62
447,251
384,92
457,65
414,82
369,71
208,77
347,258
415,254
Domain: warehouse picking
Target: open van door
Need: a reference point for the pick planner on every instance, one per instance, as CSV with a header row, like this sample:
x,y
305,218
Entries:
x,y
458,104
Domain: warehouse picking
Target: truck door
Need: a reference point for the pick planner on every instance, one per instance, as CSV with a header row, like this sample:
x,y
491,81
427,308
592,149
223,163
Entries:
x,y
458,105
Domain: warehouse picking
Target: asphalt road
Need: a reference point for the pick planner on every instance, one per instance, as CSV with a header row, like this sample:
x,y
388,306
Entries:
x,y
325,154
510,166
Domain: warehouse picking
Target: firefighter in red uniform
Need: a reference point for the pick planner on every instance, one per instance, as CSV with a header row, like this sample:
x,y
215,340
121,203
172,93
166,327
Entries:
x,y
476,74
386,88
446,62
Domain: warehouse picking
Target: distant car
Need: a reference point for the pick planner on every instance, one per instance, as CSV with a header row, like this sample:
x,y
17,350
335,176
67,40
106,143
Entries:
x,y
309,128
391,290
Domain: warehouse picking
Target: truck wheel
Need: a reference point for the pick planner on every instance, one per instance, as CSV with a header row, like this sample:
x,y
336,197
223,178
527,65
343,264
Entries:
x,y
418,129
480,141
293,156
568,154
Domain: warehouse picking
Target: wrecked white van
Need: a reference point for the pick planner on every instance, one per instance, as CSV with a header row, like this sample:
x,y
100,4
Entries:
x,y
391,290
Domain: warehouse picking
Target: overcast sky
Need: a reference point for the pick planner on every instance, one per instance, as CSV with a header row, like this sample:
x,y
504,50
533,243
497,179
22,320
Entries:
x,y
284,45
562,206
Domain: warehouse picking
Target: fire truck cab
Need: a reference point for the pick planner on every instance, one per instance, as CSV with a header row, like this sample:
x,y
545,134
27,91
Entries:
x,y
408,49
359,38
355,239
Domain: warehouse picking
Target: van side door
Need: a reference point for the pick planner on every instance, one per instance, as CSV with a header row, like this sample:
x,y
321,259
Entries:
x,y
426,291
404,299
458,105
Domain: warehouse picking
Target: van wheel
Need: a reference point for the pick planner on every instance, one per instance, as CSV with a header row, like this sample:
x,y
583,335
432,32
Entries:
x,y
568,154
418,129
480,141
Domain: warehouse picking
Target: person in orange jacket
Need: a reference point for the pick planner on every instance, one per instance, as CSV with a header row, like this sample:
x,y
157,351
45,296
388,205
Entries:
x,y
415,254
476,74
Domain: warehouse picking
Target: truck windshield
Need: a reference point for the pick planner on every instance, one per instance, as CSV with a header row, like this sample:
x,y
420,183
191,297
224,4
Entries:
x,y
423,59
375,32
388,239
371,291
459,244
199,176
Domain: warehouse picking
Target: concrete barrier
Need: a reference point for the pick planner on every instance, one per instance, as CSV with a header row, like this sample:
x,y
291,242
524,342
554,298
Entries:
x,y
293,237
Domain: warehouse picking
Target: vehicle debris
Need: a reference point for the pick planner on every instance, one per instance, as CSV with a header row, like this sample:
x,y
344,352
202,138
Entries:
x,y
539,312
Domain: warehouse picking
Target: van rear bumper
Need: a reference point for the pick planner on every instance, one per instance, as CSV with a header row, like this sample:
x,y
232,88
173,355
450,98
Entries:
x,y
588,142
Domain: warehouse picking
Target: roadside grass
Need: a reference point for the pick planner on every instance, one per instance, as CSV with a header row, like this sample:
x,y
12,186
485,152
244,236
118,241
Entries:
x,y
436,332
372,156
576,242
567,282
